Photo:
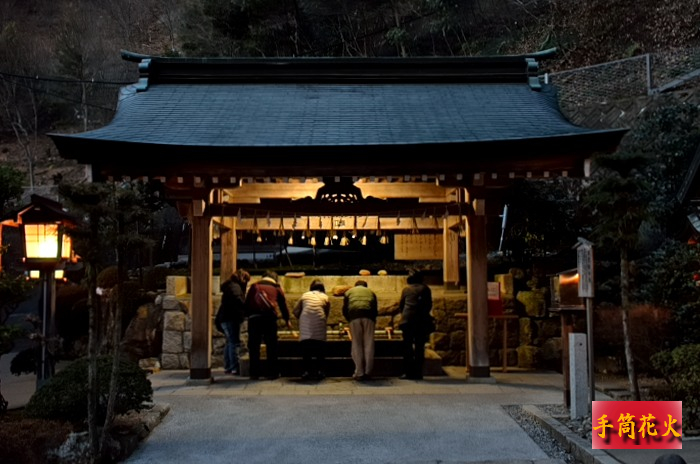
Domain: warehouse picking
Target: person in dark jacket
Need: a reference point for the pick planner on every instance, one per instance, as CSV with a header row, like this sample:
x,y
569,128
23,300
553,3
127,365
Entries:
x,y
360,310
415,306
229,317
265,303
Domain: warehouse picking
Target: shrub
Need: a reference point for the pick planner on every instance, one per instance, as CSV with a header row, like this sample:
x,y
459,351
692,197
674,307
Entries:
x,y
72,317
26,441
155,278
64,396
108,277
25,362
647,323
681,368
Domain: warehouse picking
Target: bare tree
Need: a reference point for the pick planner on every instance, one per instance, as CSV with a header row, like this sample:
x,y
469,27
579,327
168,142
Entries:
x,y
168,13
80,48
20,96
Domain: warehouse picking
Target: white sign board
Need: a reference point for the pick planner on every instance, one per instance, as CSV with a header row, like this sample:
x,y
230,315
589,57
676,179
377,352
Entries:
x,y
584,254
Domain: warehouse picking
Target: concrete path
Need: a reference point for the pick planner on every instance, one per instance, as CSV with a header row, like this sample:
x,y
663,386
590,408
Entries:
x,y
385,421
439,419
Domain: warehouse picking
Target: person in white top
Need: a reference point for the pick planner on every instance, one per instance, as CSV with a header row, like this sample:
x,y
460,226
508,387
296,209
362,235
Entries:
x,y
312,310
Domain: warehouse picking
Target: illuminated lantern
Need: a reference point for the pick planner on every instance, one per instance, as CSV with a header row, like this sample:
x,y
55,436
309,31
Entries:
x,y
47,248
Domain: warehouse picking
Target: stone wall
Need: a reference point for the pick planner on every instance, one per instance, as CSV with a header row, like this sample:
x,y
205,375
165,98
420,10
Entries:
x,y
533,338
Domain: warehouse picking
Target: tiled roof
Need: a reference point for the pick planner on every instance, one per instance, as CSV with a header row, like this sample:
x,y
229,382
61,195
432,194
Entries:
x,y
239,109
298,114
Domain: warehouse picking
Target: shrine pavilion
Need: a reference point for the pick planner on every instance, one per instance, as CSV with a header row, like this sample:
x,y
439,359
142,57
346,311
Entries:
x,y
410,146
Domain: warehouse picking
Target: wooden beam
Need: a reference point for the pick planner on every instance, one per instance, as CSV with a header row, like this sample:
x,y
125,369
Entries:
x,y
229,248
477,294
347,223
450,258
425,192
201,305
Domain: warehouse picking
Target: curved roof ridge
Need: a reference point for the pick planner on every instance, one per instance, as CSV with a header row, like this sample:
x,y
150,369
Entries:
x,y
504,68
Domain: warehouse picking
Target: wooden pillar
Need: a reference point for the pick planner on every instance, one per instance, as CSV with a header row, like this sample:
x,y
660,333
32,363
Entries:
x,y
229,247
450,258
477,294
201,307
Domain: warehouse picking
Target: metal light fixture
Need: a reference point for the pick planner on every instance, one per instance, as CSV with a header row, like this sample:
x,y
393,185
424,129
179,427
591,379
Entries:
x,y
339,190
307,232
257,230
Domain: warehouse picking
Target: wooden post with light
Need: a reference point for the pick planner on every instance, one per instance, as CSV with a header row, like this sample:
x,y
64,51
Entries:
x,y
47,249
586,290
566,302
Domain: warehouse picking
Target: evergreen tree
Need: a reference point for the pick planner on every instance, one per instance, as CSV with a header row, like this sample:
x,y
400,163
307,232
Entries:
x,y
115,218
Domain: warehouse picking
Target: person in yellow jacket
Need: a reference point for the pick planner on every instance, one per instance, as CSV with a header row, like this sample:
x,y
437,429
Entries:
x,y
360,310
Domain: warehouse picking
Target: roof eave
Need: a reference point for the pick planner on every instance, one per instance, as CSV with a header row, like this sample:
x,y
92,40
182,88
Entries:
x,y
351,159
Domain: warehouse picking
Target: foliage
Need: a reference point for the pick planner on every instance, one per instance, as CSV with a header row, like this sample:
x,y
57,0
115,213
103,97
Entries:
x,y
25,362
14,289
72,319
596,31
543,217
27,441
681,368
666,274
224,28
108,278
118,217
668,277
618,200
155,278
633,203
121,214
64,396
687,322
668,132
11,188
648,322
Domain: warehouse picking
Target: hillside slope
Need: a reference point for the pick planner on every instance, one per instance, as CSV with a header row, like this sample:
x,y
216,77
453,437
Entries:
x,y
585,33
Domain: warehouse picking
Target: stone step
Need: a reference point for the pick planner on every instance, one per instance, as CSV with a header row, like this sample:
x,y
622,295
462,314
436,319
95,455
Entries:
x,y
343,366
341,348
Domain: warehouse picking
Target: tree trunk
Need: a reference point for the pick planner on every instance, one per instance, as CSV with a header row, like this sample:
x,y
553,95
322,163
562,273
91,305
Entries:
x,y
93,332
624,295
93,345
116,338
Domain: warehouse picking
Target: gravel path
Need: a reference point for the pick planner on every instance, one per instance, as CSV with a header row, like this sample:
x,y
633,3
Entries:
x,y
538,434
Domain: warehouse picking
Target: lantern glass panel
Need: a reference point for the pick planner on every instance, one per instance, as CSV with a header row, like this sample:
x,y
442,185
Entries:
x,y
66,250
41,240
